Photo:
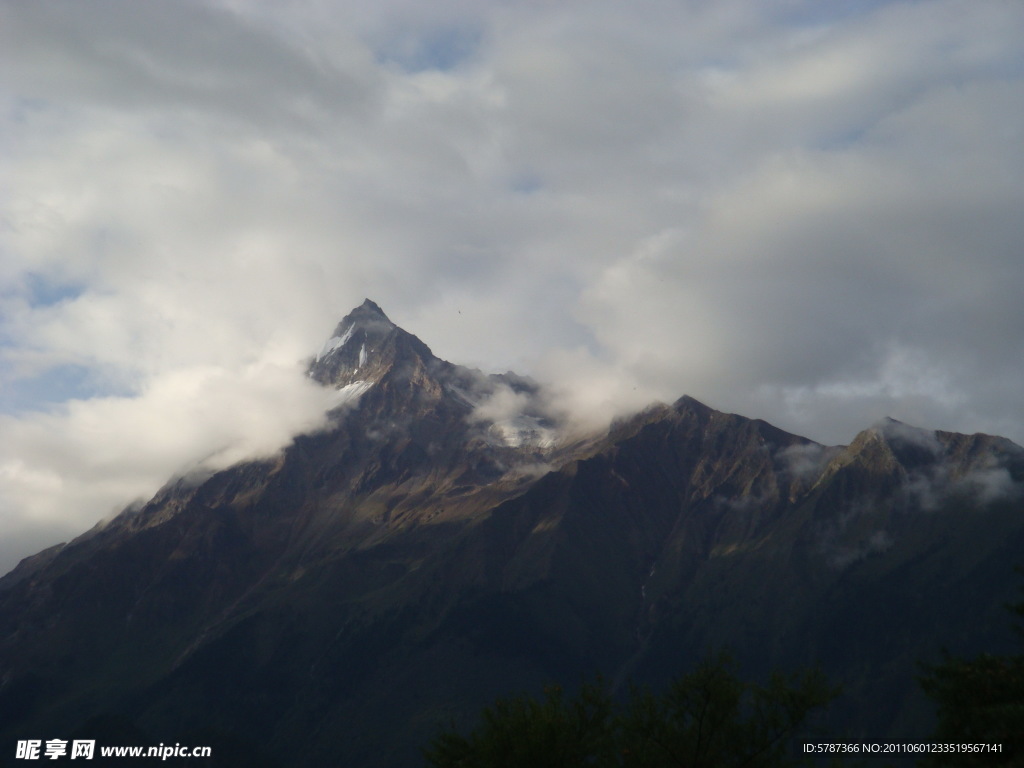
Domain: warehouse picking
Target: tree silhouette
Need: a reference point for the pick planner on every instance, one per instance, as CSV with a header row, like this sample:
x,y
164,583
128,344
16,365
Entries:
x,y
706,718
980,701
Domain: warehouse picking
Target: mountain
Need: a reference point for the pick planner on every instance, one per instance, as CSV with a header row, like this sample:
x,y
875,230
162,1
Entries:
x,y
449,538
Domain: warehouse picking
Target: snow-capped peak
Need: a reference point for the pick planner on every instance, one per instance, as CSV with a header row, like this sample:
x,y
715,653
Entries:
x,y
364,346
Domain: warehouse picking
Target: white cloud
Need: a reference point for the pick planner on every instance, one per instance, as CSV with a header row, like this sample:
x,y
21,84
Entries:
x,y
88,458
503,404
790,213
805,461
993,483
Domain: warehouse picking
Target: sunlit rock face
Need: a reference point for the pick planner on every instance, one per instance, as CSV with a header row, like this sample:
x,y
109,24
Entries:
x,y
448,538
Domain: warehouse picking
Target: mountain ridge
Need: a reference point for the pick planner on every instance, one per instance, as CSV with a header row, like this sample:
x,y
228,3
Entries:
x,y
442,541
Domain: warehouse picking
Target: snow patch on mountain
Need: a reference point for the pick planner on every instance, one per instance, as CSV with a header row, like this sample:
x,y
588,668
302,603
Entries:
x,y
524,431
335,342
350,393
513,418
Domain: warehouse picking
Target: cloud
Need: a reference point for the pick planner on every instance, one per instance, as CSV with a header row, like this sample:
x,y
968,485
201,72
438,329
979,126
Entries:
x,y
89,458
516,418
503,404
903,435
992,484
843,556
980,486
805,461
589,391
206,60
797,213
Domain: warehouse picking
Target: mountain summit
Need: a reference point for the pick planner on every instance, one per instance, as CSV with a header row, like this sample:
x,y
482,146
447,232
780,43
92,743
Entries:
x,y
365,347
444,541
368,350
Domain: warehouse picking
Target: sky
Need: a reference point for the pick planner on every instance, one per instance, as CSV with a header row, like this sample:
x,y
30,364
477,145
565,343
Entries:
x,y
806,212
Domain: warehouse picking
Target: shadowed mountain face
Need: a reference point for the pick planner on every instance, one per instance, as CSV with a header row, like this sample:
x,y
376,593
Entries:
x,y
449,539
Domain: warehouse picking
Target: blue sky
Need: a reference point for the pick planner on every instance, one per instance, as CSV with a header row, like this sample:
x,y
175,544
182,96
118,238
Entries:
x,y
799,211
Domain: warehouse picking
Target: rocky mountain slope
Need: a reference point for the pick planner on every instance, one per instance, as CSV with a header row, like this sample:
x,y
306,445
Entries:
x,y
447,539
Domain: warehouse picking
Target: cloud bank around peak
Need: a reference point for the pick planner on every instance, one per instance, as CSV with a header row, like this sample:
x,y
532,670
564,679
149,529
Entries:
x,y
796,212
